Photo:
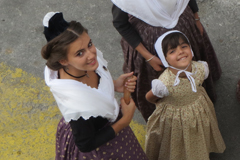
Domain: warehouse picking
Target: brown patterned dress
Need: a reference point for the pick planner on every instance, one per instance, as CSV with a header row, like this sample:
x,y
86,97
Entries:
x,y
184,125
133,61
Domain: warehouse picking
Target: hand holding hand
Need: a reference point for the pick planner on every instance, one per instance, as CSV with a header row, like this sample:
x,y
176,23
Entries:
x,y
128,110
130,83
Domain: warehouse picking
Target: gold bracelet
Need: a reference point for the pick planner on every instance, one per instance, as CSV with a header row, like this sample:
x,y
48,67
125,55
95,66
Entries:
x,y
150,59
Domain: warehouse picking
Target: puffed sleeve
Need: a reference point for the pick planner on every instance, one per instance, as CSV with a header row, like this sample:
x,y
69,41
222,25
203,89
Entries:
x,y
193,5
90,134
159,89
206,69
125,29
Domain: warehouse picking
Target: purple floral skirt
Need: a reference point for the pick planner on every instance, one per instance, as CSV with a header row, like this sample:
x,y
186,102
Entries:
x,y
124,146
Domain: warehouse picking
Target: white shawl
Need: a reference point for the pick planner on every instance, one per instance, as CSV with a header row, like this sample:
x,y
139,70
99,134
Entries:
x,y
158,13
76,99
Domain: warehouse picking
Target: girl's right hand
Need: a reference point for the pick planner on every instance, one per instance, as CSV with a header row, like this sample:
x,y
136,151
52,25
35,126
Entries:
x,y
156,63
127,110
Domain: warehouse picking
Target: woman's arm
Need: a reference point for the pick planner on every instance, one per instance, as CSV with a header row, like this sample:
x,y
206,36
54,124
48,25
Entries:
x,y
198,23
194,7
155,62
125,29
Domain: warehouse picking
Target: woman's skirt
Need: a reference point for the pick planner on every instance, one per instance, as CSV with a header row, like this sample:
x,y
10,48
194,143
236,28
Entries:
x,y
133,61
124,146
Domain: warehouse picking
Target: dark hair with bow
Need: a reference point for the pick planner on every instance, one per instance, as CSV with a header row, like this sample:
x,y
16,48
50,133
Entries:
x,y
59,34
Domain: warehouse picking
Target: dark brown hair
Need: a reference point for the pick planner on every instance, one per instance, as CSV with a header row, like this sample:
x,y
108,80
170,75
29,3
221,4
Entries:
x,y
172,41
57,49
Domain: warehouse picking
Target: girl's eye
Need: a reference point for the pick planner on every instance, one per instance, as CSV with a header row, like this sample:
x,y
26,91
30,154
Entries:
x,y
90,44
171,51
184,46
79,53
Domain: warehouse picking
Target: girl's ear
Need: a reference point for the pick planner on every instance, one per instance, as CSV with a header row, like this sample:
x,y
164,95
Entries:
x,y
63,62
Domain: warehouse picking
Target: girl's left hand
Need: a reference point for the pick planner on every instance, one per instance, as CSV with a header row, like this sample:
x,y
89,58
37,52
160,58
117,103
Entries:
x,y
130,84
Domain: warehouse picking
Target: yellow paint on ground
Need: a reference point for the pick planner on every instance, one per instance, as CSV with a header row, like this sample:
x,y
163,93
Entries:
x,y
29,117
139,131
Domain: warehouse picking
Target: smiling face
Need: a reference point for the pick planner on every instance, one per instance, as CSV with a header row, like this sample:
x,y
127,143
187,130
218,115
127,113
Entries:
x,y
179,57
81,56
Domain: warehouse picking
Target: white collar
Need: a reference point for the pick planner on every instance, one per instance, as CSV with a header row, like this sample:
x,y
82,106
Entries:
x,y
154,12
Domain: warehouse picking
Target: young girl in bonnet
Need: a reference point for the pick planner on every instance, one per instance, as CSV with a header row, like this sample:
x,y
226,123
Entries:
x,y
183,125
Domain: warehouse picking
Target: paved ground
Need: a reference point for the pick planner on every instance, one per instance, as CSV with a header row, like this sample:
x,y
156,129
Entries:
x,y
28,113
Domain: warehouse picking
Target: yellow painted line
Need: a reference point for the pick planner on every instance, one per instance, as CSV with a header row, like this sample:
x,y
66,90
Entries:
x,y
29,117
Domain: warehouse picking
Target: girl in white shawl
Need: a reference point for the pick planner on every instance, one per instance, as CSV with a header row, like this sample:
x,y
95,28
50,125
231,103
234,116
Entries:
x,y
82,86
